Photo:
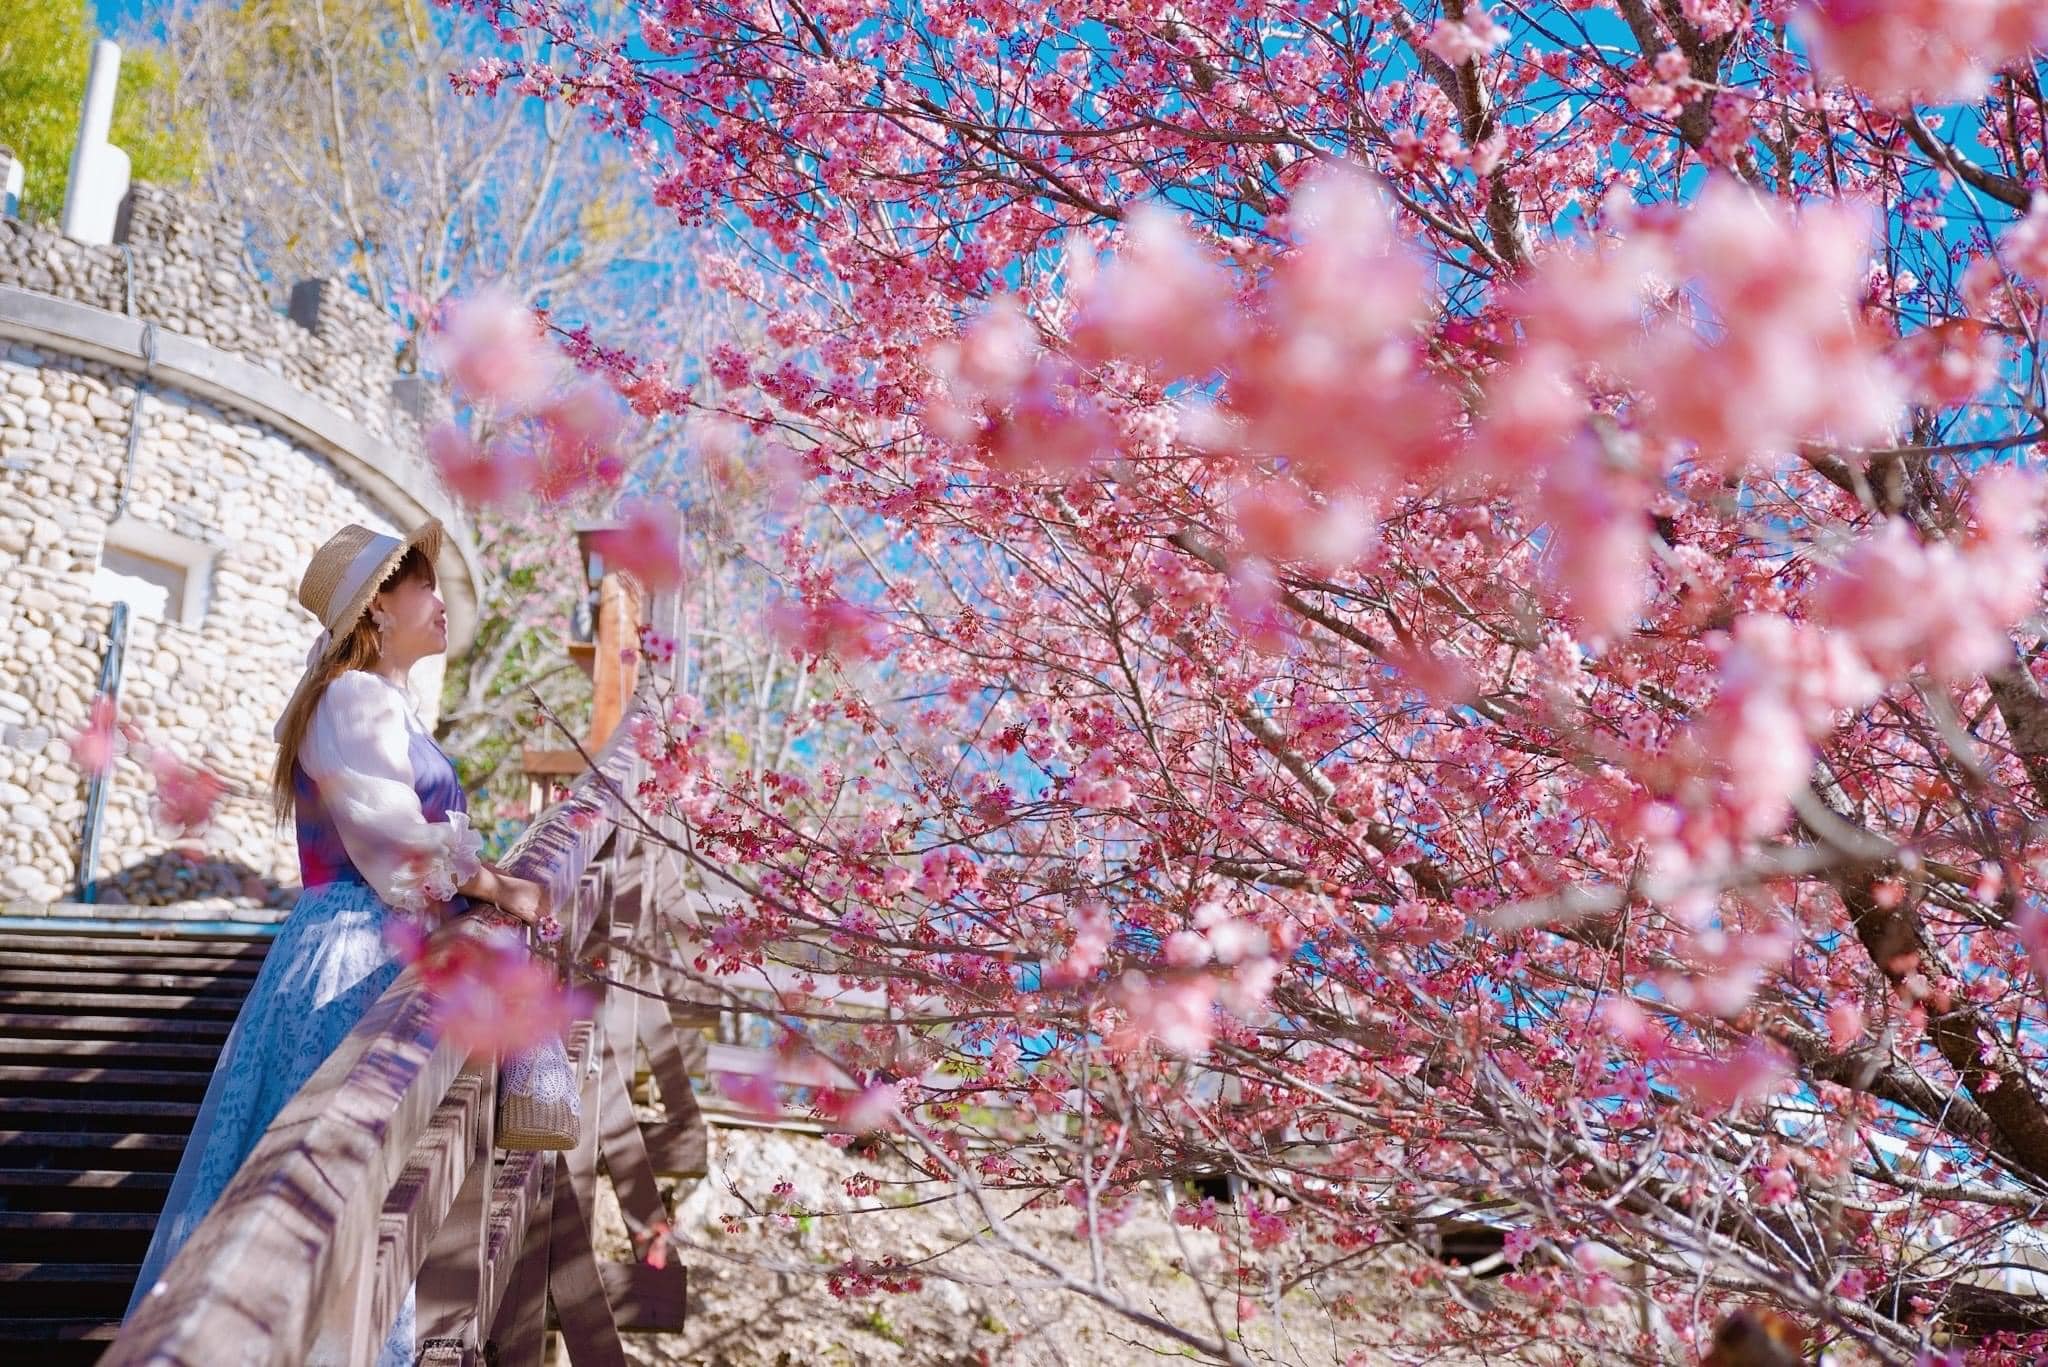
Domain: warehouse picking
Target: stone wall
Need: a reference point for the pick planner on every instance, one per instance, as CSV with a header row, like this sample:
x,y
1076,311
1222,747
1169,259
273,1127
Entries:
x,y
189,273
261,503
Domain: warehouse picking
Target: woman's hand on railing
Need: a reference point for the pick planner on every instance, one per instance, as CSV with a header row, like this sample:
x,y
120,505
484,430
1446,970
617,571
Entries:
x,y
520,898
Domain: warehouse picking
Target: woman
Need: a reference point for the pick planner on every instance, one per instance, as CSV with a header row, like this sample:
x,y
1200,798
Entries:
x,y
382,829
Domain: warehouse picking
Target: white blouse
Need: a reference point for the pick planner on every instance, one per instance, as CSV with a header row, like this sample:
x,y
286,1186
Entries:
x,y
358,750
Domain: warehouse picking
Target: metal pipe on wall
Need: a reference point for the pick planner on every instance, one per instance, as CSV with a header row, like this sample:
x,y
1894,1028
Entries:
x,y
96,786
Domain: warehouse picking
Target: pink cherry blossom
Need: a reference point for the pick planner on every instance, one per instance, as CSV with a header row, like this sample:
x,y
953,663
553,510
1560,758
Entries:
x,y
1777,1186
1098,783
579,431
1767,757
1783,289
2002,546
1085,955
647,543
491,993
828,627
1601,538
1628,1023
1176,1012
1948,364
2033,937
1731,1080
2025,245
1845,1024
1245,990
1279,522
753,1093
489,346
863,1111
187,795
1906,603
1164,299
658,648
985,367
1235,940
1819,674
1713,18
1533,409
1495,563
1050,427
1458,41
1903,49
493,476
93,746
1333,379
1726,969
657,1241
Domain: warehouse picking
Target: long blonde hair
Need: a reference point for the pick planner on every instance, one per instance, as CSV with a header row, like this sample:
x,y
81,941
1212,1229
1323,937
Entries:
x,y
359,650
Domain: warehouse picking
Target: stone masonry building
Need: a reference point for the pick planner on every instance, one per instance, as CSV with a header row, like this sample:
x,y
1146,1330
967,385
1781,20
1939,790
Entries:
x,y
170,441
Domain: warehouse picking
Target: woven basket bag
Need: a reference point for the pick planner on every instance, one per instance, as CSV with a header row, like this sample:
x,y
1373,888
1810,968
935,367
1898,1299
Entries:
x,y
540,1105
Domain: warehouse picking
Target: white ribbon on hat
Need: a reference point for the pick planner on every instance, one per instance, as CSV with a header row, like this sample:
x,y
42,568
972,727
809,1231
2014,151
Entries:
x,y
366,563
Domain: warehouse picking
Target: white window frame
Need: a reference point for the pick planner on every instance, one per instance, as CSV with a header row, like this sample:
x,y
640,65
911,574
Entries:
x,y
193,558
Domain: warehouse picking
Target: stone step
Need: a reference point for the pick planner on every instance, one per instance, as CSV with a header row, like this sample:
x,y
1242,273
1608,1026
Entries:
x,y
60,1151
62,1081
147,984
108,1038
91,1189
167,960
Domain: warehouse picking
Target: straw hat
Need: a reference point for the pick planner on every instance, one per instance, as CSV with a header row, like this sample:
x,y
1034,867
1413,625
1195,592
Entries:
x,y
342,578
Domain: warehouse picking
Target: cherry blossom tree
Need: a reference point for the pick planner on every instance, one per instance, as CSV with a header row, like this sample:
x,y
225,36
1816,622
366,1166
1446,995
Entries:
x,y
1444,607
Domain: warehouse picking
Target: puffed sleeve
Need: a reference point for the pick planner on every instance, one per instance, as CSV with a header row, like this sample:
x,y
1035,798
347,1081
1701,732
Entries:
x,y
357,751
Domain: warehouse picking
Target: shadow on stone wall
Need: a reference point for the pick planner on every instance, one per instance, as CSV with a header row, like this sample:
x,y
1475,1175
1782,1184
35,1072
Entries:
x,y
182,875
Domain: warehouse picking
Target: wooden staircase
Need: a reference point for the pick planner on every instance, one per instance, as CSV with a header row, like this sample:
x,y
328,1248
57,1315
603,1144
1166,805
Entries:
x,y
107,1040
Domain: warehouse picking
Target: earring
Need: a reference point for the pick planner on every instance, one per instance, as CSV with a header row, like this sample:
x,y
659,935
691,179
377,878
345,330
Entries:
x,y
383,624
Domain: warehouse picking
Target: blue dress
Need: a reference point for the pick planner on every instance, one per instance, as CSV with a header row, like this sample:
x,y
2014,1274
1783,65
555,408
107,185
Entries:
x,y
326,967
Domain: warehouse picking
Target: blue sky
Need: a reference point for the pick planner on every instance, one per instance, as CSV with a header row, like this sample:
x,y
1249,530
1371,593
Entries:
x,y
112,14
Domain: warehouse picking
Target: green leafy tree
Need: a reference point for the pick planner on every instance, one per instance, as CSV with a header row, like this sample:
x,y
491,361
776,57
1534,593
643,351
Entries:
x,y
45,51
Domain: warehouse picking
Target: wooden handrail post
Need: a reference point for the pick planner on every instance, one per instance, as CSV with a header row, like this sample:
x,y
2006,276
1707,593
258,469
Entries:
x,y
519,1332
610,659
616,671
573,1279
452,1285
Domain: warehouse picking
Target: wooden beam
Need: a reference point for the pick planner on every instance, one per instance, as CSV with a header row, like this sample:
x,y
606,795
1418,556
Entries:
x,y
540,763
449,1157
658,1295
452,1280
677,1145
519,1328
522,1196
589,1330
767,1063
646,1299
616,670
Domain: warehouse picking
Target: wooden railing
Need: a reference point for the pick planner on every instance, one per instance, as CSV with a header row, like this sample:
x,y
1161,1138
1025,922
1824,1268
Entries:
x,y
381,1171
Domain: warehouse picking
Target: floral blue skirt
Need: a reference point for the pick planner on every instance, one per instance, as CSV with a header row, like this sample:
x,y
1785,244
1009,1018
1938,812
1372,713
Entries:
x,y
328,964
